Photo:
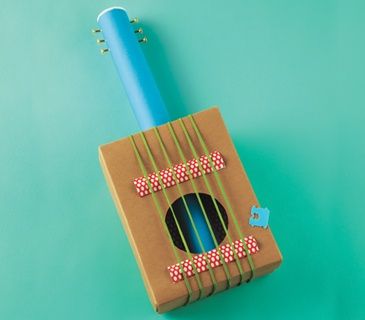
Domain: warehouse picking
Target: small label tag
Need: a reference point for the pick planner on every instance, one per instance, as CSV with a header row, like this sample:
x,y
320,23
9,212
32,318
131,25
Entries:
x,y
259,217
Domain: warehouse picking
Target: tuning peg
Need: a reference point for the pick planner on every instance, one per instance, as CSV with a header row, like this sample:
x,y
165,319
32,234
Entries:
x,y
139,30
134,20
100,41
95,30
143,40
104,51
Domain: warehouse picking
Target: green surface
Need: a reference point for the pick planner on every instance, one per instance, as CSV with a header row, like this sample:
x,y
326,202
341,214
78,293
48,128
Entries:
x,y
289,78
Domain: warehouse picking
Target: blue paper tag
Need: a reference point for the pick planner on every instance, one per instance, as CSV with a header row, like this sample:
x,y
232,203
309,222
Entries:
x,y
259,217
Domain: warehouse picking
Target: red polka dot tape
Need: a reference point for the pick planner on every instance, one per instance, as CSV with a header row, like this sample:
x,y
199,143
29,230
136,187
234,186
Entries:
x,y
179,173
213,258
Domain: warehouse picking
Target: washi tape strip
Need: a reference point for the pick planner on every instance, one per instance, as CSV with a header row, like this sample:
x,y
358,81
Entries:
x,y
169,179
213,258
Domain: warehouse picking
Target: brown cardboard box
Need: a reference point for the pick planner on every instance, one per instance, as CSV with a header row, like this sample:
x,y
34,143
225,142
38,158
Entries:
x,y
143,225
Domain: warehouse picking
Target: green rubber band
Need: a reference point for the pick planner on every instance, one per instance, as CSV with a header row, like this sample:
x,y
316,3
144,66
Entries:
x,y
161,215
224,194
226,270
197,276
214,281
207,183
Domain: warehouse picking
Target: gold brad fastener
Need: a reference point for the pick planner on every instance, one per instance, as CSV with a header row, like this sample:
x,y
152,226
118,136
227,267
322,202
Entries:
x,y
139,30
134,20
95,30
143,40
104,51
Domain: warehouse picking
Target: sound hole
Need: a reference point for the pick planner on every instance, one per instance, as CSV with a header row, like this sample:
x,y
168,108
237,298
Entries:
x,y
186,226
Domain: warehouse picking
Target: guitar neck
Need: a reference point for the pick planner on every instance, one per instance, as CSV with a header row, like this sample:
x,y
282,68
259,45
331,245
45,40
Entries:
x,y
130,62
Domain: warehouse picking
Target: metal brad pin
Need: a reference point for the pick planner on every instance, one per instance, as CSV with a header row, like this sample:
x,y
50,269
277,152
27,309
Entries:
x,y
95,30
104,50
100,41
143,40
139,30
134,20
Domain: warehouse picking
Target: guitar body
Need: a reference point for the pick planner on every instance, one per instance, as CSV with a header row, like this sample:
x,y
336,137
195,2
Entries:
x,y
182,194
143,225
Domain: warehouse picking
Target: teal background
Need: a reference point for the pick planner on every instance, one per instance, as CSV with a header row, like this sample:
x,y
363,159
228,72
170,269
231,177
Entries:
x,y
289,78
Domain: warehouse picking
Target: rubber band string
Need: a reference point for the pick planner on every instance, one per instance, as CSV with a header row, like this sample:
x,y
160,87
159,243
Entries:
x,y
209,187
153,161
206,181
183,158
161,216
164,151
221,187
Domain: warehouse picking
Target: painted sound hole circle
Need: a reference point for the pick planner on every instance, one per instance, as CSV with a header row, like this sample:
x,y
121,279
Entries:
x,y
205,240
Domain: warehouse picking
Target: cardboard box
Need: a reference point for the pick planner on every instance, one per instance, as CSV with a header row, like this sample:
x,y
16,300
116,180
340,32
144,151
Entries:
x,y
141,221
